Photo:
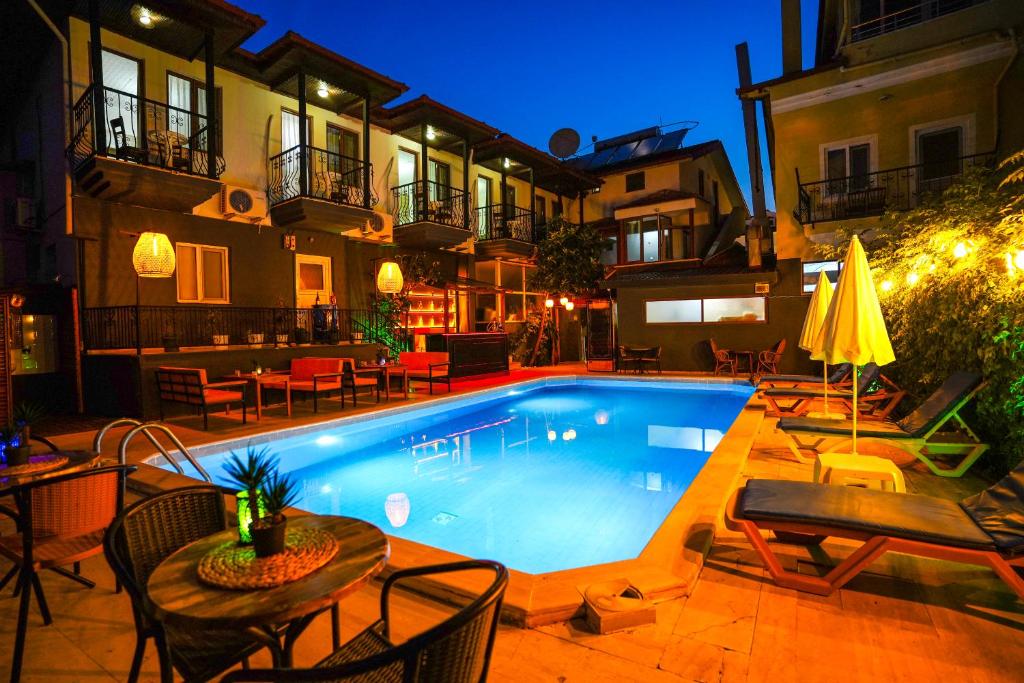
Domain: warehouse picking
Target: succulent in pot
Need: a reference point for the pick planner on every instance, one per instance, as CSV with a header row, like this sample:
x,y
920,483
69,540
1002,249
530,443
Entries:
x,y
16,451
249,473
268,532
25,414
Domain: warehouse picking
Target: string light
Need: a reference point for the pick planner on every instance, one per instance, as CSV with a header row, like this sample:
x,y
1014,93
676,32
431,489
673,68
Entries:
x,y
912,278
886,285
549,303
564,300
960,250
1018,260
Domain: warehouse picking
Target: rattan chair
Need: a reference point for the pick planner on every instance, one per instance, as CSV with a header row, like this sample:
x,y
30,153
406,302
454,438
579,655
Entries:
x,y
768,361
458,650
61,520
724,360
135,544
651,358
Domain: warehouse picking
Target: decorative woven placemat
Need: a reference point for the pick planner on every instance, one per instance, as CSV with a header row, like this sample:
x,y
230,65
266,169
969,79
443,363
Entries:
x,y
35,465
236,567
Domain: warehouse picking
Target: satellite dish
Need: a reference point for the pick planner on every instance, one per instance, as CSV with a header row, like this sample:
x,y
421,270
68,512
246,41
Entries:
x,y
564,142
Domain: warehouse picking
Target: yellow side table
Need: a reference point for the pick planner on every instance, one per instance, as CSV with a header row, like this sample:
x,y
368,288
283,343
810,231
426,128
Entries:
x,y
844,469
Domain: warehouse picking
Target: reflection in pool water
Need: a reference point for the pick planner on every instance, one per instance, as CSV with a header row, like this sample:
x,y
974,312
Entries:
x,y
548,478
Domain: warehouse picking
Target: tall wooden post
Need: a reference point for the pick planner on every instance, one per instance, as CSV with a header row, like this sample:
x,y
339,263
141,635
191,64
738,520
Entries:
x,y
424,185
212,115
465,184
533,208
760,219
367,189
303,135
504,205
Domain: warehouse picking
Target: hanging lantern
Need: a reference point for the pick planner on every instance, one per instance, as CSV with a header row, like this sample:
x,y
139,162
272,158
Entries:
x,y
549,303
396,507
389,278
153,255
564,300
569,305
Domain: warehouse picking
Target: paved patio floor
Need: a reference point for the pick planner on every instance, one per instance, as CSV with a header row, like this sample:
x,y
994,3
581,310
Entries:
x,y
906,620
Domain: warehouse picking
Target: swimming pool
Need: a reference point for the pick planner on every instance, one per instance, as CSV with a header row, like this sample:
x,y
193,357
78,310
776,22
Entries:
x,y
543,476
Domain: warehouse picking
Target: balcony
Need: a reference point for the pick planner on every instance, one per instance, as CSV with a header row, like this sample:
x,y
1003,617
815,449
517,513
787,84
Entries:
x,y
919,12
872,194
430,215
505,231
316,189
151,154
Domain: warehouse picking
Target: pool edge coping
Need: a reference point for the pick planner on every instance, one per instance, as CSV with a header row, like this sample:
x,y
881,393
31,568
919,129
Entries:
x,y
667,567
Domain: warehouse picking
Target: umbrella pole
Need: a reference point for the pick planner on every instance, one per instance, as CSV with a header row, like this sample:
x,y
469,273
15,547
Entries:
x,y
824,365
856,381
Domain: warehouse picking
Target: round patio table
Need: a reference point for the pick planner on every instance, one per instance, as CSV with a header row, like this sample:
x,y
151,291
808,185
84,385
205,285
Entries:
x,y
179,598
77,460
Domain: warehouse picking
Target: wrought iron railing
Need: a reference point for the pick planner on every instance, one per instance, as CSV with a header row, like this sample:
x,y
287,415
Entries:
x,y
114,327
871,194
141,131
895,20
444,204
504,221
329,175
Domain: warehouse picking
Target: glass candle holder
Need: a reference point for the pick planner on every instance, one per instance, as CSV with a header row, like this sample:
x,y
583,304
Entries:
x,y
245,516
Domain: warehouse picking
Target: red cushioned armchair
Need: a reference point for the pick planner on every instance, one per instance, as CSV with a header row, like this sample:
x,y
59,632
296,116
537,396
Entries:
x,y
426,366
315,376
188,386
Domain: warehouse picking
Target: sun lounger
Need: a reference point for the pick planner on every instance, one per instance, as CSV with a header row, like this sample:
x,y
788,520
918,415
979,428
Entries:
x,y
918,433
986,529
872,405
840,374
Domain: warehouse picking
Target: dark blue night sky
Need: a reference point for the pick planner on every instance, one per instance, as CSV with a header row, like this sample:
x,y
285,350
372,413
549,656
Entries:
x,y
530,67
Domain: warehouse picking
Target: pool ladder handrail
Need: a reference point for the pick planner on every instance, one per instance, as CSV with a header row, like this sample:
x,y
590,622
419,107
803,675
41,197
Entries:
x,y
144,428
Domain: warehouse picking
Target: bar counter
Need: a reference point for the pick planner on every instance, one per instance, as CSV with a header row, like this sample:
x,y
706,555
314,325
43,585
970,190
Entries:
x,y
473,354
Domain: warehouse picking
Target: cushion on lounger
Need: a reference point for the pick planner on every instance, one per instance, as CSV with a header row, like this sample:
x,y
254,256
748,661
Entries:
x,y
952,391
903,515
799,392
840,371
999,510
815,425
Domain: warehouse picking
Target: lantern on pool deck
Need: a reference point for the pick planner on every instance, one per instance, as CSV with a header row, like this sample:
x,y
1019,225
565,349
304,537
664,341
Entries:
x,y
389,278
396,507
245,516
153,255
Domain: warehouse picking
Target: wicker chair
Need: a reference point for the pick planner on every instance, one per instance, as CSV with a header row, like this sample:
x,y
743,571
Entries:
x,y
140,539
651,358
458,650
768,361
724,360
61,521
627,358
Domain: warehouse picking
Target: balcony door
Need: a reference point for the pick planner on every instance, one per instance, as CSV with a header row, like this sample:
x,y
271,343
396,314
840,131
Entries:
x,y
939,153
186,109
408,163
440,177
290,159
483,201
312,280
122,79
847,168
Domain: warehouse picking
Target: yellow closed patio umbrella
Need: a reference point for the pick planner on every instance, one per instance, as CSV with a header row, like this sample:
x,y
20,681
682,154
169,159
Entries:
x,y
816,312
854,330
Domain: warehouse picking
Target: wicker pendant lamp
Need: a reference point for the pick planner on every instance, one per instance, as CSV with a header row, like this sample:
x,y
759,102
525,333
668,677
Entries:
x,y
153,255
389,278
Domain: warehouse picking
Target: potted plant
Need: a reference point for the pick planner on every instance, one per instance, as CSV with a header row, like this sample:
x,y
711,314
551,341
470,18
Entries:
x,y
268,532
25,413
16,451
280,318
357,337
301,336
334,336
170,339
248,473
213,329
255,338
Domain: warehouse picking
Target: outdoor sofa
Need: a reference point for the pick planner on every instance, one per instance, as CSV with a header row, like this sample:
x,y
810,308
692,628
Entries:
x,y
919,433
986,529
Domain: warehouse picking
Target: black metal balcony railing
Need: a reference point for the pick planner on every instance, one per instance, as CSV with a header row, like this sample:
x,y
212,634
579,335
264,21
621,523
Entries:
x,y
889,21
871,194
114,327
141,131
445,204
504,221
329,175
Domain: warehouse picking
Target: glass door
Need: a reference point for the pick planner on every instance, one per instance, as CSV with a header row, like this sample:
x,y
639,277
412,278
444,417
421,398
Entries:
x,y
407,195
939,152
124,109
483,203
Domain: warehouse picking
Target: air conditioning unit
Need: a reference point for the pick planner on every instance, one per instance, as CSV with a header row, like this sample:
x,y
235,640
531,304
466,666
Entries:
x,y
242,202
762,288
24,213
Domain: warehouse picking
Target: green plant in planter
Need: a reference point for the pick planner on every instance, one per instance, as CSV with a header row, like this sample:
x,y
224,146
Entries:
x,y
248,473
268,532
26,413
16,452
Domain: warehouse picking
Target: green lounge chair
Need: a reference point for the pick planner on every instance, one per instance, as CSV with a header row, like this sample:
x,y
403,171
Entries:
x,y
918,433
986,529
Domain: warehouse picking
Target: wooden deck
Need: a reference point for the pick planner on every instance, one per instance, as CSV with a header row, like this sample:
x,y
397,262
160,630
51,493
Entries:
x,y
906,619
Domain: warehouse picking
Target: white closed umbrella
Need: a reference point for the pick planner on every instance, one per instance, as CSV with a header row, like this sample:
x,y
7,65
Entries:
x,y
854,330
816,312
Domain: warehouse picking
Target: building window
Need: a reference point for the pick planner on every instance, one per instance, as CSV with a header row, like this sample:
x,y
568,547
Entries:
x,y
700,182
692,311
847,167
440,177
651,238
343,152
635,181
202,273
556,207
811,270
610,255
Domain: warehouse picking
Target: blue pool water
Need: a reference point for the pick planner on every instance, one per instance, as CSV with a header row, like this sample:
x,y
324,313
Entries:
x,y
547,476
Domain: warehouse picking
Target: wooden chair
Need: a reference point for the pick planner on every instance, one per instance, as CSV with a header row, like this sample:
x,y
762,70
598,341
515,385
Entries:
x,y
652,359
426,366
358,378
123,150
188,386
768,361
174,155
61,522
724,360
135,544
458,650
628,358
317,376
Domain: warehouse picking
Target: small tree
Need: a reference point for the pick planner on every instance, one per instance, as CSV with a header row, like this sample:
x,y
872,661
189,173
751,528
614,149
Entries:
x,y
951,284
568,264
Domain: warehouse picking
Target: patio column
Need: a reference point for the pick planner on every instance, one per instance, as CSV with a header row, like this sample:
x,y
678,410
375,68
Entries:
x,y
504,199
582,196
303,135
211,110
99,107
367,190
424,173
465,190
533,207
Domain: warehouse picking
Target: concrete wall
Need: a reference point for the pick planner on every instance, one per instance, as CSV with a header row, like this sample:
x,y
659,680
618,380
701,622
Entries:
x,y
686,347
